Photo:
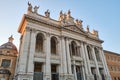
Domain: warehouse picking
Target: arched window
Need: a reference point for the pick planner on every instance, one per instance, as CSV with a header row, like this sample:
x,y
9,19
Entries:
x,y
97,54
53,45
39,43
74,48
89,53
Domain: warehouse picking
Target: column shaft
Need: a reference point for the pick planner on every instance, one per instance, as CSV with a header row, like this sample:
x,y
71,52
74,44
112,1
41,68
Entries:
x,y
48,55
96,63
87,59
64,56
105,65
24,52
30,68
75,74
68,57
84,59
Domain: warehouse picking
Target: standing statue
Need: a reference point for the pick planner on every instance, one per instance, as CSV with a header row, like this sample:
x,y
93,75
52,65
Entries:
x,y
61,16
87,29
69,14
36,9
29,7
78,23
64,17
47,13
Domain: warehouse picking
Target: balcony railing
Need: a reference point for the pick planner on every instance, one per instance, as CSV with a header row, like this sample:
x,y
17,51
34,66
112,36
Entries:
x,y
55,76
38,76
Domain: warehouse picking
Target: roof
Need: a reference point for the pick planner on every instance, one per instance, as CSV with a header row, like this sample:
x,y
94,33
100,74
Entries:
x,y
110,52
8,45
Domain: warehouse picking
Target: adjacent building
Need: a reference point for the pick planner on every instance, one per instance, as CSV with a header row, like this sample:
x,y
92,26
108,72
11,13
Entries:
x,y
113,62
8,58
59,49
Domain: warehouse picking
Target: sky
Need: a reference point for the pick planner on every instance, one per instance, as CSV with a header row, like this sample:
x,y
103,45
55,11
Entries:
x,y
101,15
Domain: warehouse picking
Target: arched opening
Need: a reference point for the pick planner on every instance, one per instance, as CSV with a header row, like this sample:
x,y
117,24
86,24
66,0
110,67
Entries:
x,y
89,53
74,48
97,54
39,43
53,45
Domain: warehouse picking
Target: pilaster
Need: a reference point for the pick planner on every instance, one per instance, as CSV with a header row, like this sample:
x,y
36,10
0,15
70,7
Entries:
x,y
83,71
74,67
48,55
30,66
23,56
68,57
64,56
96,63
88,74
84,59
61,58
87,59
70,76
107,74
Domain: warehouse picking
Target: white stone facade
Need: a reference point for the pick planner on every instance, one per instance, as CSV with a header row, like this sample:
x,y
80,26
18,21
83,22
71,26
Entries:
x,y
60,48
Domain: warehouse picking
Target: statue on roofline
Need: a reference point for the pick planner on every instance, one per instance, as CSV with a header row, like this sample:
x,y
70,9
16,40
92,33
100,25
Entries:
x,y
29,7
78,23
87,29
61,16
47,13
36,9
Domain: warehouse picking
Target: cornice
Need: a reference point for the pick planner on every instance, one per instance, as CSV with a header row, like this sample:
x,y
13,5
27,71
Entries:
x,y
43,20
110,52
34,18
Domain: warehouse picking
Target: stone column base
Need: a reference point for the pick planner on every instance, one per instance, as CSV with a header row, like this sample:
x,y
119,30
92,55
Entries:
x,y
47,77
66,77
89,77
26,76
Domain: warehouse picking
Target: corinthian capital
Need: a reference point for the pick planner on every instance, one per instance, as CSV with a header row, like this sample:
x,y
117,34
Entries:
x,y
28,29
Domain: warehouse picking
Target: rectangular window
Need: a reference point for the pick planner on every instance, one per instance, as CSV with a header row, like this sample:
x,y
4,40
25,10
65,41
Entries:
x,y
119,59
6,63
119,68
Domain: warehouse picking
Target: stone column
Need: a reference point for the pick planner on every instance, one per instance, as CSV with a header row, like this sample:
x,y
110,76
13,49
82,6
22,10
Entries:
x,y
89,75
68,57
30,66
70,76
107,74
87,59
96,63
61,58
24,51
83,71
23,56
74,67
64,56
48,55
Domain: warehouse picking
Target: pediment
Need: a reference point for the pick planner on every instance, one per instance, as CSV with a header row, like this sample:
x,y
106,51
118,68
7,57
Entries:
x,y
75,28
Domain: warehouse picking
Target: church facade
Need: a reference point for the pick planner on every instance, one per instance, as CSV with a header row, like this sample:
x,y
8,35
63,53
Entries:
x,y
59,49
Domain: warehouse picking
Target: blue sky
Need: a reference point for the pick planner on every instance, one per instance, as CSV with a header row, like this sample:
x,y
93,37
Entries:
x,y
101,15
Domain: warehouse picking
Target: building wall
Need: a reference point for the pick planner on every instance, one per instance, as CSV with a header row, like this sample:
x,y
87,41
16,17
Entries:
x,y
12,65
113,63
